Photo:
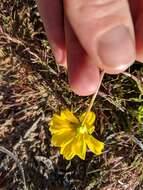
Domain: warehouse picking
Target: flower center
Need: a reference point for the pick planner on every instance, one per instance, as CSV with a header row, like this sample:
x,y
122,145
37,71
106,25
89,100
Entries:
x,y
81,129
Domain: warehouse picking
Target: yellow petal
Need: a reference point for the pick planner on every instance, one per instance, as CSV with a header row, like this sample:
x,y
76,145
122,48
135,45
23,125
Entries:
x,y
93,144
67,151
61,139
69,116
58,120
79,146
90,128
76,147
59,124
58,129
90,118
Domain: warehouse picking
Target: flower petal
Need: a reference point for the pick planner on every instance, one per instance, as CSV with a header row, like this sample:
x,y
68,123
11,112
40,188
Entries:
x,y
58,124
76,147
58,120
67,151
69,116
90,118
61,139
79,146
93,144
55,130
90,128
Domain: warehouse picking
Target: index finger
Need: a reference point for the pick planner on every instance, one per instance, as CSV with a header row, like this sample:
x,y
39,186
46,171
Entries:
x,y
52,15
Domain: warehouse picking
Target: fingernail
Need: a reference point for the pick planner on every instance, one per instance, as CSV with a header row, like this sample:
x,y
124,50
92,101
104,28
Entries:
x,y
116,48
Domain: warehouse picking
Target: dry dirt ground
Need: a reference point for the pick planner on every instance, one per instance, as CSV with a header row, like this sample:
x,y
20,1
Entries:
x,y
33,87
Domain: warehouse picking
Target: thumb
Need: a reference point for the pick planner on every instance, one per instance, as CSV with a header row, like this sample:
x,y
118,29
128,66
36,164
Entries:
x,y
105,30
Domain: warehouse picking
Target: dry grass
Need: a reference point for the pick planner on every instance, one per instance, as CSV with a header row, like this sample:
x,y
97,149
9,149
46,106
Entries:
x,y
33,87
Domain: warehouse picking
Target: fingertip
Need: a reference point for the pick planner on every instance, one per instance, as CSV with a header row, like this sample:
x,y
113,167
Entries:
x,y
83,72
84,77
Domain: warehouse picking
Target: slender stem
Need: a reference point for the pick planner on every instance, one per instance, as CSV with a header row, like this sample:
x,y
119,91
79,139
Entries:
x,y
93,98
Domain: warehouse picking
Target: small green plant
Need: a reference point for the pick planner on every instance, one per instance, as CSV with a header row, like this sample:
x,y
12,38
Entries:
x,y
140,115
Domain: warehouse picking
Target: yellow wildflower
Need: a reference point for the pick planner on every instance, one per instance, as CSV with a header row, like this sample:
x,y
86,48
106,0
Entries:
x,y
72,137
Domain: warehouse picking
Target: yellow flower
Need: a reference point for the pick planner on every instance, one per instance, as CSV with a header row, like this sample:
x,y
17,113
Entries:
x,y
72,137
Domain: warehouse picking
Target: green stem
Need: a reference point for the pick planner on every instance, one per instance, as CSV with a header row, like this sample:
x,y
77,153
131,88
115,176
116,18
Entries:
x,y
93,98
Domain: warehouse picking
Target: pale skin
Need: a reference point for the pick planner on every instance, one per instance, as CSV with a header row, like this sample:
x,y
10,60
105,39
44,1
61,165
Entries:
x,y
88,36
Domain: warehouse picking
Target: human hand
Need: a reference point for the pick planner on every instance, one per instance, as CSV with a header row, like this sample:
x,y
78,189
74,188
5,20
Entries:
x,y
93,35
